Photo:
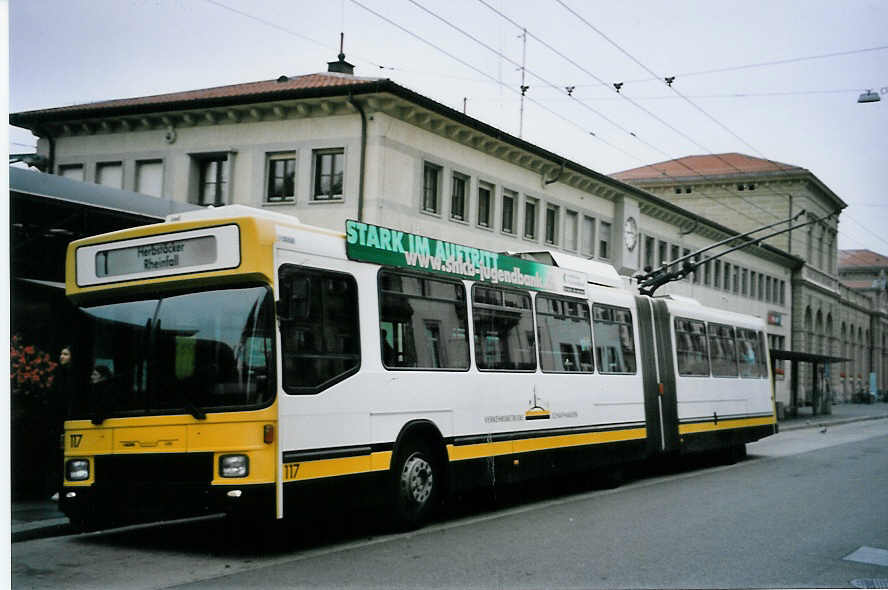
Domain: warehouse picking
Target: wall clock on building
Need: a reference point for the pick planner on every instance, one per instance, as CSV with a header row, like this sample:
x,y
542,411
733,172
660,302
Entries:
x,y
630,233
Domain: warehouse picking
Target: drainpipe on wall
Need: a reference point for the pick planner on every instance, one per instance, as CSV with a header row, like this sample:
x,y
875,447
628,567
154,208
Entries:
x,y
360,110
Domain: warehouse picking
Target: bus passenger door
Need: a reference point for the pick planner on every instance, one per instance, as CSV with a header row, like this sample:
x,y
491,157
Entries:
x,y
658,375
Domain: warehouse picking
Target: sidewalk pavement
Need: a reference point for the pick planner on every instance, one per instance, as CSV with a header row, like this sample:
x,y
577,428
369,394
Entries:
x,y
41,518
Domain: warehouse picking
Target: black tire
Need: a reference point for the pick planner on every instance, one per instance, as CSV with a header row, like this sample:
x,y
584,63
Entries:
x,y
417,486
734,453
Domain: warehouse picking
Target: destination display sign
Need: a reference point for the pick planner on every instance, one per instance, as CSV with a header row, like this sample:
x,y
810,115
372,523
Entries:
x,y
160,255
381,245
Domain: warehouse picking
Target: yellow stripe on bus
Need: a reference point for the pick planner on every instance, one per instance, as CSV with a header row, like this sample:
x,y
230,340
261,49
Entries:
x,y
334,467
492,449
725,424
381,461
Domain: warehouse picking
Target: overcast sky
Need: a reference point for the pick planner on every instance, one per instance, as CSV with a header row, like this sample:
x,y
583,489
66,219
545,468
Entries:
x,y
802,110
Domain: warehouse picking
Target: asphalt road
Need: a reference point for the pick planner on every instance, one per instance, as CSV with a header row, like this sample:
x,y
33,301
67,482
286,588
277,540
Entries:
x,y
788,516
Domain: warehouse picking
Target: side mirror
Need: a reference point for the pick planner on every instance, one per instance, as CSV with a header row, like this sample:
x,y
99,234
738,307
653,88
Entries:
x,y
295,301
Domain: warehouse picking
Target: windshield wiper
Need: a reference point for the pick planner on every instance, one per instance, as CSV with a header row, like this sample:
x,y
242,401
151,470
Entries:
x,y
193,408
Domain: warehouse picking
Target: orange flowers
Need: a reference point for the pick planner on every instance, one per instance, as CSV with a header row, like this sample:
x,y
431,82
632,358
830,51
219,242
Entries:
x,y
31,369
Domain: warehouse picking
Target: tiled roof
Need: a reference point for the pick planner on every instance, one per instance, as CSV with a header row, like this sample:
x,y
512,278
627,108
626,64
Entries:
x,y
861,258
263,90
857,284
705,165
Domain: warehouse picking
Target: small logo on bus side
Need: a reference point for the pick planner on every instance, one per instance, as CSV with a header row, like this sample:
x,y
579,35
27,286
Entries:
x,y
75,440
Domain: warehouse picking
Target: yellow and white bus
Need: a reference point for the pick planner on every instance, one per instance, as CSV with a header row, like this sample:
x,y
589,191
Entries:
x,y
244,361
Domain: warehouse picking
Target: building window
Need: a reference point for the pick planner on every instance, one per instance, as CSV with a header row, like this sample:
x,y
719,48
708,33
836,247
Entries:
x,y
716,283
484,193
570,230
149,177
530,218
782,292
509,198
551,224
662,252
213,180
588,244
736,282
328,174
431,187
604,239
649,245
752,283
727,281
686,252
743,282
281,185
72,171
458,197
110,174
706,272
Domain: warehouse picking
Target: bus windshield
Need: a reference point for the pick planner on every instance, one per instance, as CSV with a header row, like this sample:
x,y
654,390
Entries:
x,y
197,352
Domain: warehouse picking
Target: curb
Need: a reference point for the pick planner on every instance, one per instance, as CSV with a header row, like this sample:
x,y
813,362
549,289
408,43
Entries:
x,y
814,423
41,529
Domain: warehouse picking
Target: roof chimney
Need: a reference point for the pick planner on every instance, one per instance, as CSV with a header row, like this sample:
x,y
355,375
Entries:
x,y
341,66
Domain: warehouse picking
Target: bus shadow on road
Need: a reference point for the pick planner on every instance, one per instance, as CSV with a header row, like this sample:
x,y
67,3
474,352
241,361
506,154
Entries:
x,y
328,523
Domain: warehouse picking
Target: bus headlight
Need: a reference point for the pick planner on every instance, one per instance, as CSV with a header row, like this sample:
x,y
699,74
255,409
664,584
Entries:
x,y
77,470
234,466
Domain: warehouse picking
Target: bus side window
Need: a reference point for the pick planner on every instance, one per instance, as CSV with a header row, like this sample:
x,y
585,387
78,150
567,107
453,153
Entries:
x,y
504,339
690,348
422,322
722,350
748,353
320,339
565,335
763,362
614,339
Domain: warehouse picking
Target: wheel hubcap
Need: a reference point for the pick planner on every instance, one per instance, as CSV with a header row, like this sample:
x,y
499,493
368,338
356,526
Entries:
x,y
417,479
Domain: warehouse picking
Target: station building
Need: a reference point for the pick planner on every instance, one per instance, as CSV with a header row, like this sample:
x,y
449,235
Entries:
x,y
332,146
830,317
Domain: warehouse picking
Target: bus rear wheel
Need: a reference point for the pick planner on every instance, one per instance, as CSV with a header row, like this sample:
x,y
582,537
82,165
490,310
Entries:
x,y
417,487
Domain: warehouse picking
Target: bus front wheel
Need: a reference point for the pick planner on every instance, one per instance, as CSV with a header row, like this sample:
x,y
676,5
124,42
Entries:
x,y
417,487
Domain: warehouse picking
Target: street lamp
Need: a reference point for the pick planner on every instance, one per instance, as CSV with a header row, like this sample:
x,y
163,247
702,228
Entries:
x,y
869,96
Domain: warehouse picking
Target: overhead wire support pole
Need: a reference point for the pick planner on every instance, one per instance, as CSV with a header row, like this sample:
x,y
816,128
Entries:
x,y
524,86
650,282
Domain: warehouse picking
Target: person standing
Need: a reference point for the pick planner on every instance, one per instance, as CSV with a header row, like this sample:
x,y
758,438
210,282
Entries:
x,y
60,403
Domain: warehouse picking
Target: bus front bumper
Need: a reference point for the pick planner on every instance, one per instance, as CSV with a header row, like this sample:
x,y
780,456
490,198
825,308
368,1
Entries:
x,y
98,507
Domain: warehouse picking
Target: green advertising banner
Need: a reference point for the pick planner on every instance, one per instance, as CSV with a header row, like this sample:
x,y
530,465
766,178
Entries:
x,y
390,247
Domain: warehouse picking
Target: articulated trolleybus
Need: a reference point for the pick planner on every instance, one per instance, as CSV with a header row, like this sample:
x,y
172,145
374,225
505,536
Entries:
x,y
253,361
